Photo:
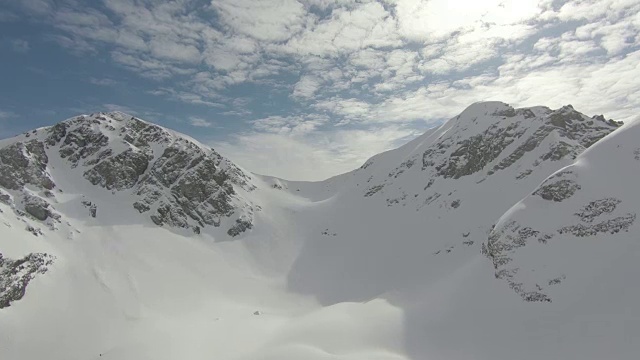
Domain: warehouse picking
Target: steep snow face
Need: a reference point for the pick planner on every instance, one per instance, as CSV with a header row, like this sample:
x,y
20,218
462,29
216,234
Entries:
x,y
171,179
577,231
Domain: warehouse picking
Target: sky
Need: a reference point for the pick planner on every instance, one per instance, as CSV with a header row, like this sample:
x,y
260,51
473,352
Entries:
x,y
307,89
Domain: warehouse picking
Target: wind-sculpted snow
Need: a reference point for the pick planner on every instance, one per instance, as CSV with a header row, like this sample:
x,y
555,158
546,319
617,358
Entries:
x,y
174,180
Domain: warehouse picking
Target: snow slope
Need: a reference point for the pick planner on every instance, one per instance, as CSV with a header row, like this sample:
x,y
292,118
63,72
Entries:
x,y
454,246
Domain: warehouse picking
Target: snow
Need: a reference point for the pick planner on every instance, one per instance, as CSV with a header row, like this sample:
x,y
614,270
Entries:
x,y
337,274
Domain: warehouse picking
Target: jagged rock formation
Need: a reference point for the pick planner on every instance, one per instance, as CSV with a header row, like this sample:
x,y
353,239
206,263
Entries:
x,y
15,275
485,141
173,179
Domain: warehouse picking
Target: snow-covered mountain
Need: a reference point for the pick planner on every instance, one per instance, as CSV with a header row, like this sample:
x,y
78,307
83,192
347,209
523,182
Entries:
x,y
177,181
502,234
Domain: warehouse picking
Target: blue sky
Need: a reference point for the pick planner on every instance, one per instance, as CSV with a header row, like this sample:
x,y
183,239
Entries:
x,y
306,89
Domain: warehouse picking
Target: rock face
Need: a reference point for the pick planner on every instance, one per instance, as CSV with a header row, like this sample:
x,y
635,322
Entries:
x,y
37,207
567,131
24,163
15,275
171,179
559,187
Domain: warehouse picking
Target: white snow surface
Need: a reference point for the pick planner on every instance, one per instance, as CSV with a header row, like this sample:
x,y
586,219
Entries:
x,y
377,264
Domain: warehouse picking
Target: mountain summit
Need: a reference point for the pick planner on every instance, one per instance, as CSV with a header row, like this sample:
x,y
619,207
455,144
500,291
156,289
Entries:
x,y
502,234
170,177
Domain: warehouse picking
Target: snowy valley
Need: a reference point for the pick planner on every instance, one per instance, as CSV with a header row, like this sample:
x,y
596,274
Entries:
x,y
502,234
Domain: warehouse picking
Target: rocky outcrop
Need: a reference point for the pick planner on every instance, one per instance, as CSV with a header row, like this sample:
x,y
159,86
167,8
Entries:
x,y
241,226
37,207
199,188
473,154
119,172
23,163
558,190
15,275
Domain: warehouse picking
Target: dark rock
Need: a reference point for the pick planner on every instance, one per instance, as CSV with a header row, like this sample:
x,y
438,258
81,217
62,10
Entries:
x,y
241,226
24,163
611,226
474,153
5,198
373,189
596,208
15,275
558,190
119,172
37,207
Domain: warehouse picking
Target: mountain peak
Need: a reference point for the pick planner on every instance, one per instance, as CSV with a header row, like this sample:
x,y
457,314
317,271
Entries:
x,y
485,139
173,178
482,108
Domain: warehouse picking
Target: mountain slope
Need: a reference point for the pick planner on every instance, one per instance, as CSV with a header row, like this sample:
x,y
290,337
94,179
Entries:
x,y
170,177
395,260
577,223
405,212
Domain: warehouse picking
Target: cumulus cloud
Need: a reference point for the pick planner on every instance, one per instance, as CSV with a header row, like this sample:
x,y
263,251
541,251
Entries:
x,y
306,87
294,125
271,20
425,20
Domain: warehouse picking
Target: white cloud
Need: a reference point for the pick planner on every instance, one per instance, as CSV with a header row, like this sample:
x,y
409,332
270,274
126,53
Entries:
x,y
294,125
375,65
120,108
6,114
313,156
200,122
267,20
173,50
77,46
306,87
423,20
347,30
38,7
594,9
103,81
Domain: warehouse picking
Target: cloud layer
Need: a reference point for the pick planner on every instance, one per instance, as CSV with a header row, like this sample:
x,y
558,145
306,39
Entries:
x,y
324,75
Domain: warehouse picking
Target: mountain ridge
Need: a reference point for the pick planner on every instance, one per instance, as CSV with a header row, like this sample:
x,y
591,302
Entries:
x,y
118,152
411,255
